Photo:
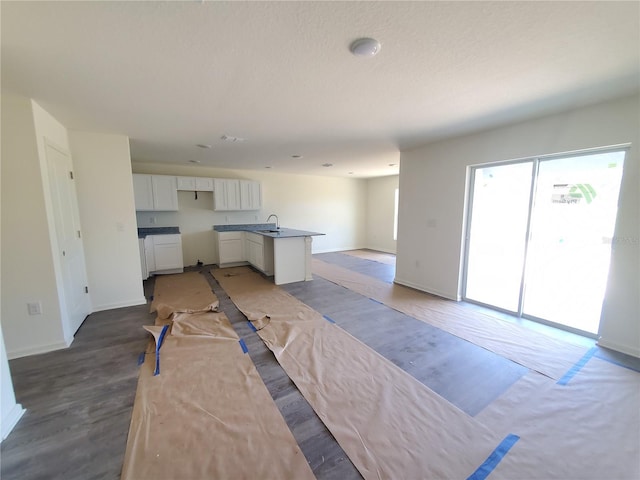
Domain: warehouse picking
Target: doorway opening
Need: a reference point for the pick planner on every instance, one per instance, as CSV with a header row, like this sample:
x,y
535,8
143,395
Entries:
x,y
539,236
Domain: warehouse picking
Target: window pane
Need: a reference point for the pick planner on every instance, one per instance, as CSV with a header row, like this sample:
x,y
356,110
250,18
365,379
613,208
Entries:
x,y
573,221
498,229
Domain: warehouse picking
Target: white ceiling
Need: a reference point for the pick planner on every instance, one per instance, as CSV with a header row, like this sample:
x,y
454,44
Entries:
x,y
171,75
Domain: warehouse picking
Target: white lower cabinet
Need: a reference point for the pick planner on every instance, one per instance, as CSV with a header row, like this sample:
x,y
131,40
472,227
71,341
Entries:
x,y
163,254
245,247
230,247
259,252
143,259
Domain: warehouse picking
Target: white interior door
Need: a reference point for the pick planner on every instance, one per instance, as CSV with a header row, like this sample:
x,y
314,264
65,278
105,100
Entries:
x,y
69,238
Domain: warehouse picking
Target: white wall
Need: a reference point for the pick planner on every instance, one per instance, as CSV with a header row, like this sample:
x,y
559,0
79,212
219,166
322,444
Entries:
x,y
380,213
432,204
27,263
334,206
10,410
102,165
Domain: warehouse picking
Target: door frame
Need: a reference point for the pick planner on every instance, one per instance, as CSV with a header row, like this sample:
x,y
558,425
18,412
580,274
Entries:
x,y
68,325
471,173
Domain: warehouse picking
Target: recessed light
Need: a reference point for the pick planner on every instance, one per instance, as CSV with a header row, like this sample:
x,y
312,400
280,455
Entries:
x,y
296,156
350,173
203,145
365,47
229,138
194,161
267,167
392,164
327,164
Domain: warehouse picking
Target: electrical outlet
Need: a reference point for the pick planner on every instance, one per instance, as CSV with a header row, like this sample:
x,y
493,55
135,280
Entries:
x,y
152,220
34,308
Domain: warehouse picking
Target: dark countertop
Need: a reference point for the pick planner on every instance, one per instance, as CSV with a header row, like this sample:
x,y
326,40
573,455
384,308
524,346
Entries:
x,y
244,227
265,229
143,232
287,233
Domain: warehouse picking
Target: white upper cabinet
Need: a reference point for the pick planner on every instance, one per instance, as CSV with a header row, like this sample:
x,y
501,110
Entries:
x,y
226,194
186,183
195,184
229,194
155,192
165,192
250,195
204,184
143,192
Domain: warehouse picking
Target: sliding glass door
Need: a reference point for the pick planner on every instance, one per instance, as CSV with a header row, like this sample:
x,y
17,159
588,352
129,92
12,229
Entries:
x,y
498,233
539,237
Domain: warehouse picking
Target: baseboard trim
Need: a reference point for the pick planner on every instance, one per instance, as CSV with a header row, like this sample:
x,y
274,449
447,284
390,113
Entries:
x,y
618,347
126,303
422,288
35,350
11,419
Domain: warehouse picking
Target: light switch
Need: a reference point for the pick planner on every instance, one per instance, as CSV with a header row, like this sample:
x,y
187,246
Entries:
x,y
34,308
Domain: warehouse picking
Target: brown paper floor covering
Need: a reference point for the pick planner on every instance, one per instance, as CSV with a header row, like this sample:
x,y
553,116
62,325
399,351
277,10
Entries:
x,y
208,414
587,429
183,292
527,347
389,424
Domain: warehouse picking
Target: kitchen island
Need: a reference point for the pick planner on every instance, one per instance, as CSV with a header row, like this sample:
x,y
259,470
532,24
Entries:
x,y
284,253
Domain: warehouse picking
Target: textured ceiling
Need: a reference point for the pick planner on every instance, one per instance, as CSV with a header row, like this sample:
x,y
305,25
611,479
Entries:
x,y
171,75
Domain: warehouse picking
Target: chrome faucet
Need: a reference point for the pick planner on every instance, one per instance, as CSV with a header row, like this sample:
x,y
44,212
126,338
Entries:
x,y
277,221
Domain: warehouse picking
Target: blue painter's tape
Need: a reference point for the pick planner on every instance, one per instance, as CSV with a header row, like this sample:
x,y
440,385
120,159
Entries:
x,y
141,359
251,326
243,346
374,300
329,319
495,458
160,340
578,366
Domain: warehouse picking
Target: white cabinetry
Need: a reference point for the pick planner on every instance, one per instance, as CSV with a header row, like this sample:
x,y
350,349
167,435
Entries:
x,y
259,250
195,184
143,259
230,247
155,192
231,194
250,195
163,254
226,194
142,192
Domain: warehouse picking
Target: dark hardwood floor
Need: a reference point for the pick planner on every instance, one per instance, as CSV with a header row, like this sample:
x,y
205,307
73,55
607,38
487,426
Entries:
x,y
79,400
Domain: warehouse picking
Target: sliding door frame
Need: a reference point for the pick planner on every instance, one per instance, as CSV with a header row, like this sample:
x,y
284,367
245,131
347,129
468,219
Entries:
x,y
536,160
